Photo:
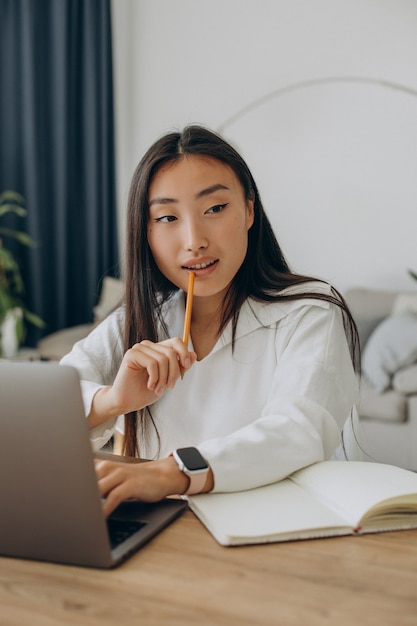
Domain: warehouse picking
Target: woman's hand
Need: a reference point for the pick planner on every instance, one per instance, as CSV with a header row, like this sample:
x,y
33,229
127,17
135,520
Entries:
x,y
148,369
150,481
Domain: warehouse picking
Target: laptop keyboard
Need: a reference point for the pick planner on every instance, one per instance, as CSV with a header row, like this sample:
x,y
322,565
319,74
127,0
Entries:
x,y
120,530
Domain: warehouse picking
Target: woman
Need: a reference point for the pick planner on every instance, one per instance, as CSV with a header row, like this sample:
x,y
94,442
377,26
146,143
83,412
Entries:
x,y
267,384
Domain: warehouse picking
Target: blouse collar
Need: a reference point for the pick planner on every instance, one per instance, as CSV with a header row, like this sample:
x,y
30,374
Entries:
x,y
253,314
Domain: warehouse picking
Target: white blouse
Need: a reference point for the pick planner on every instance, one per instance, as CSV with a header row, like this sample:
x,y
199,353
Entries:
x,y
282,399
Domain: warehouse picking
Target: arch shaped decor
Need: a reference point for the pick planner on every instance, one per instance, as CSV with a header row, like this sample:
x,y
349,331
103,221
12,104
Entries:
x,y
335,159
307,84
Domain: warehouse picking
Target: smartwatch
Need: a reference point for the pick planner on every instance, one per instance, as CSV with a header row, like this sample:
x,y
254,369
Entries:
x,y
194,465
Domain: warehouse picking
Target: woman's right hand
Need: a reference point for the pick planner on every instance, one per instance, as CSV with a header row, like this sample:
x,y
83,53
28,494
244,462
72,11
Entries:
x,y
148,369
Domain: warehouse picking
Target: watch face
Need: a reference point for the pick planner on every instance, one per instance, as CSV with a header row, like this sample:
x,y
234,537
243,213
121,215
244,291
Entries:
x,y
192,459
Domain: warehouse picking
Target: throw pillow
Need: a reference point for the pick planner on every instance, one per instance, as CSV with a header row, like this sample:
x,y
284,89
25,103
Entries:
x,y
111,294
405,302
391,346
405,380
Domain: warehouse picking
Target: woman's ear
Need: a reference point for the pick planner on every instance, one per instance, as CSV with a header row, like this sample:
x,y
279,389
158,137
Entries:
x,y
250,206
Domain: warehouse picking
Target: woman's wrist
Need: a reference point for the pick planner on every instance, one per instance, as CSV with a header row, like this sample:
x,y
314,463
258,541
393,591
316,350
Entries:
x,y
180,481
173,477
102,409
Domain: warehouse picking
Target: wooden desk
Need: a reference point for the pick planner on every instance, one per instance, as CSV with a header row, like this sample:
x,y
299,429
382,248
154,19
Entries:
x,y
183,577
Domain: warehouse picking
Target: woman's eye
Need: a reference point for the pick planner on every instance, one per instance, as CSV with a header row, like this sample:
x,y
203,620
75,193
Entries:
x,y
217,208
165,219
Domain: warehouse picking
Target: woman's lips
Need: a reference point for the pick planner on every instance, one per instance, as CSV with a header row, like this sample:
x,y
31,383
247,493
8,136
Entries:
x,y
199,266
202,269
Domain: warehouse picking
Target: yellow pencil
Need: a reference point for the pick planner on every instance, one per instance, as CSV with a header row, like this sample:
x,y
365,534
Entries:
x,y
188,309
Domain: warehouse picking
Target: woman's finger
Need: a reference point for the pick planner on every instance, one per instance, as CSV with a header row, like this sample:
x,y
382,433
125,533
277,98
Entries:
x,y
161,363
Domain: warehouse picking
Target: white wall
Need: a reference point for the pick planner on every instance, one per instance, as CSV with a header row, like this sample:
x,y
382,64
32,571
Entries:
x,y
336,161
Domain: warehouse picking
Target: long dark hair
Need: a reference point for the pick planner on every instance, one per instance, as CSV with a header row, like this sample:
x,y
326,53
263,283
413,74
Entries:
x,y
263,274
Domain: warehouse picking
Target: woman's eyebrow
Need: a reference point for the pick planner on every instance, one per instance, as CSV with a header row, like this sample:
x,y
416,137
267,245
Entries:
x,y
200,194
211,189
162,201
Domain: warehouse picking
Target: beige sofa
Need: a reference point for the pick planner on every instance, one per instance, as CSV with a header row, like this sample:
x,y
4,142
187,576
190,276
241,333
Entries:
x,y
387,324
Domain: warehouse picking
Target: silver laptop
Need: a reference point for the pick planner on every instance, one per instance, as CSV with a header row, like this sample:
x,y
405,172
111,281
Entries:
x,y
50,505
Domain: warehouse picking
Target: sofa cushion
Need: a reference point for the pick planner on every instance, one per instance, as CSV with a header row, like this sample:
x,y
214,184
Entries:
x,y
389,406
405,380
405,302
391,346
369,307
111,294
56,345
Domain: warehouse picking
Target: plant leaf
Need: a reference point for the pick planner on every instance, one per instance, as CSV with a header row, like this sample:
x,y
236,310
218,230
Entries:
x,y
34,319
5,303
20,329
19,235
12,208
11,196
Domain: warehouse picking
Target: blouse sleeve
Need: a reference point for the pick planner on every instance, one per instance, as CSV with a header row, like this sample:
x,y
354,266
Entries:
x,y
97,359
312,395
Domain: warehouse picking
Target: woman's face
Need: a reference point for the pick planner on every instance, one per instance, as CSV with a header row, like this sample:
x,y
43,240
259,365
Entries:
x,y
198,221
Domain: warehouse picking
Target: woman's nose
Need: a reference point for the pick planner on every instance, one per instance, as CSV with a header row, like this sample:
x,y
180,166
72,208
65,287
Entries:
x,y
195,237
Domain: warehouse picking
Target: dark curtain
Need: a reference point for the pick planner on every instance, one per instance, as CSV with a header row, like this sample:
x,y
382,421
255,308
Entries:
x,y
57,150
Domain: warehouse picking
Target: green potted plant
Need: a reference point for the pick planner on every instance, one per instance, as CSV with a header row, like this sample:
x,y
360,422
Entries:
x,y
13,313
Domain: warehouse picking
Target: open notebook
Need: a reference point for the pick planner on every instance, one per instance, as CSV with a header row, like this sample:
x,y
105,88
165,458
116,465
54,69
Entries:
x,y
50,506
326,499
